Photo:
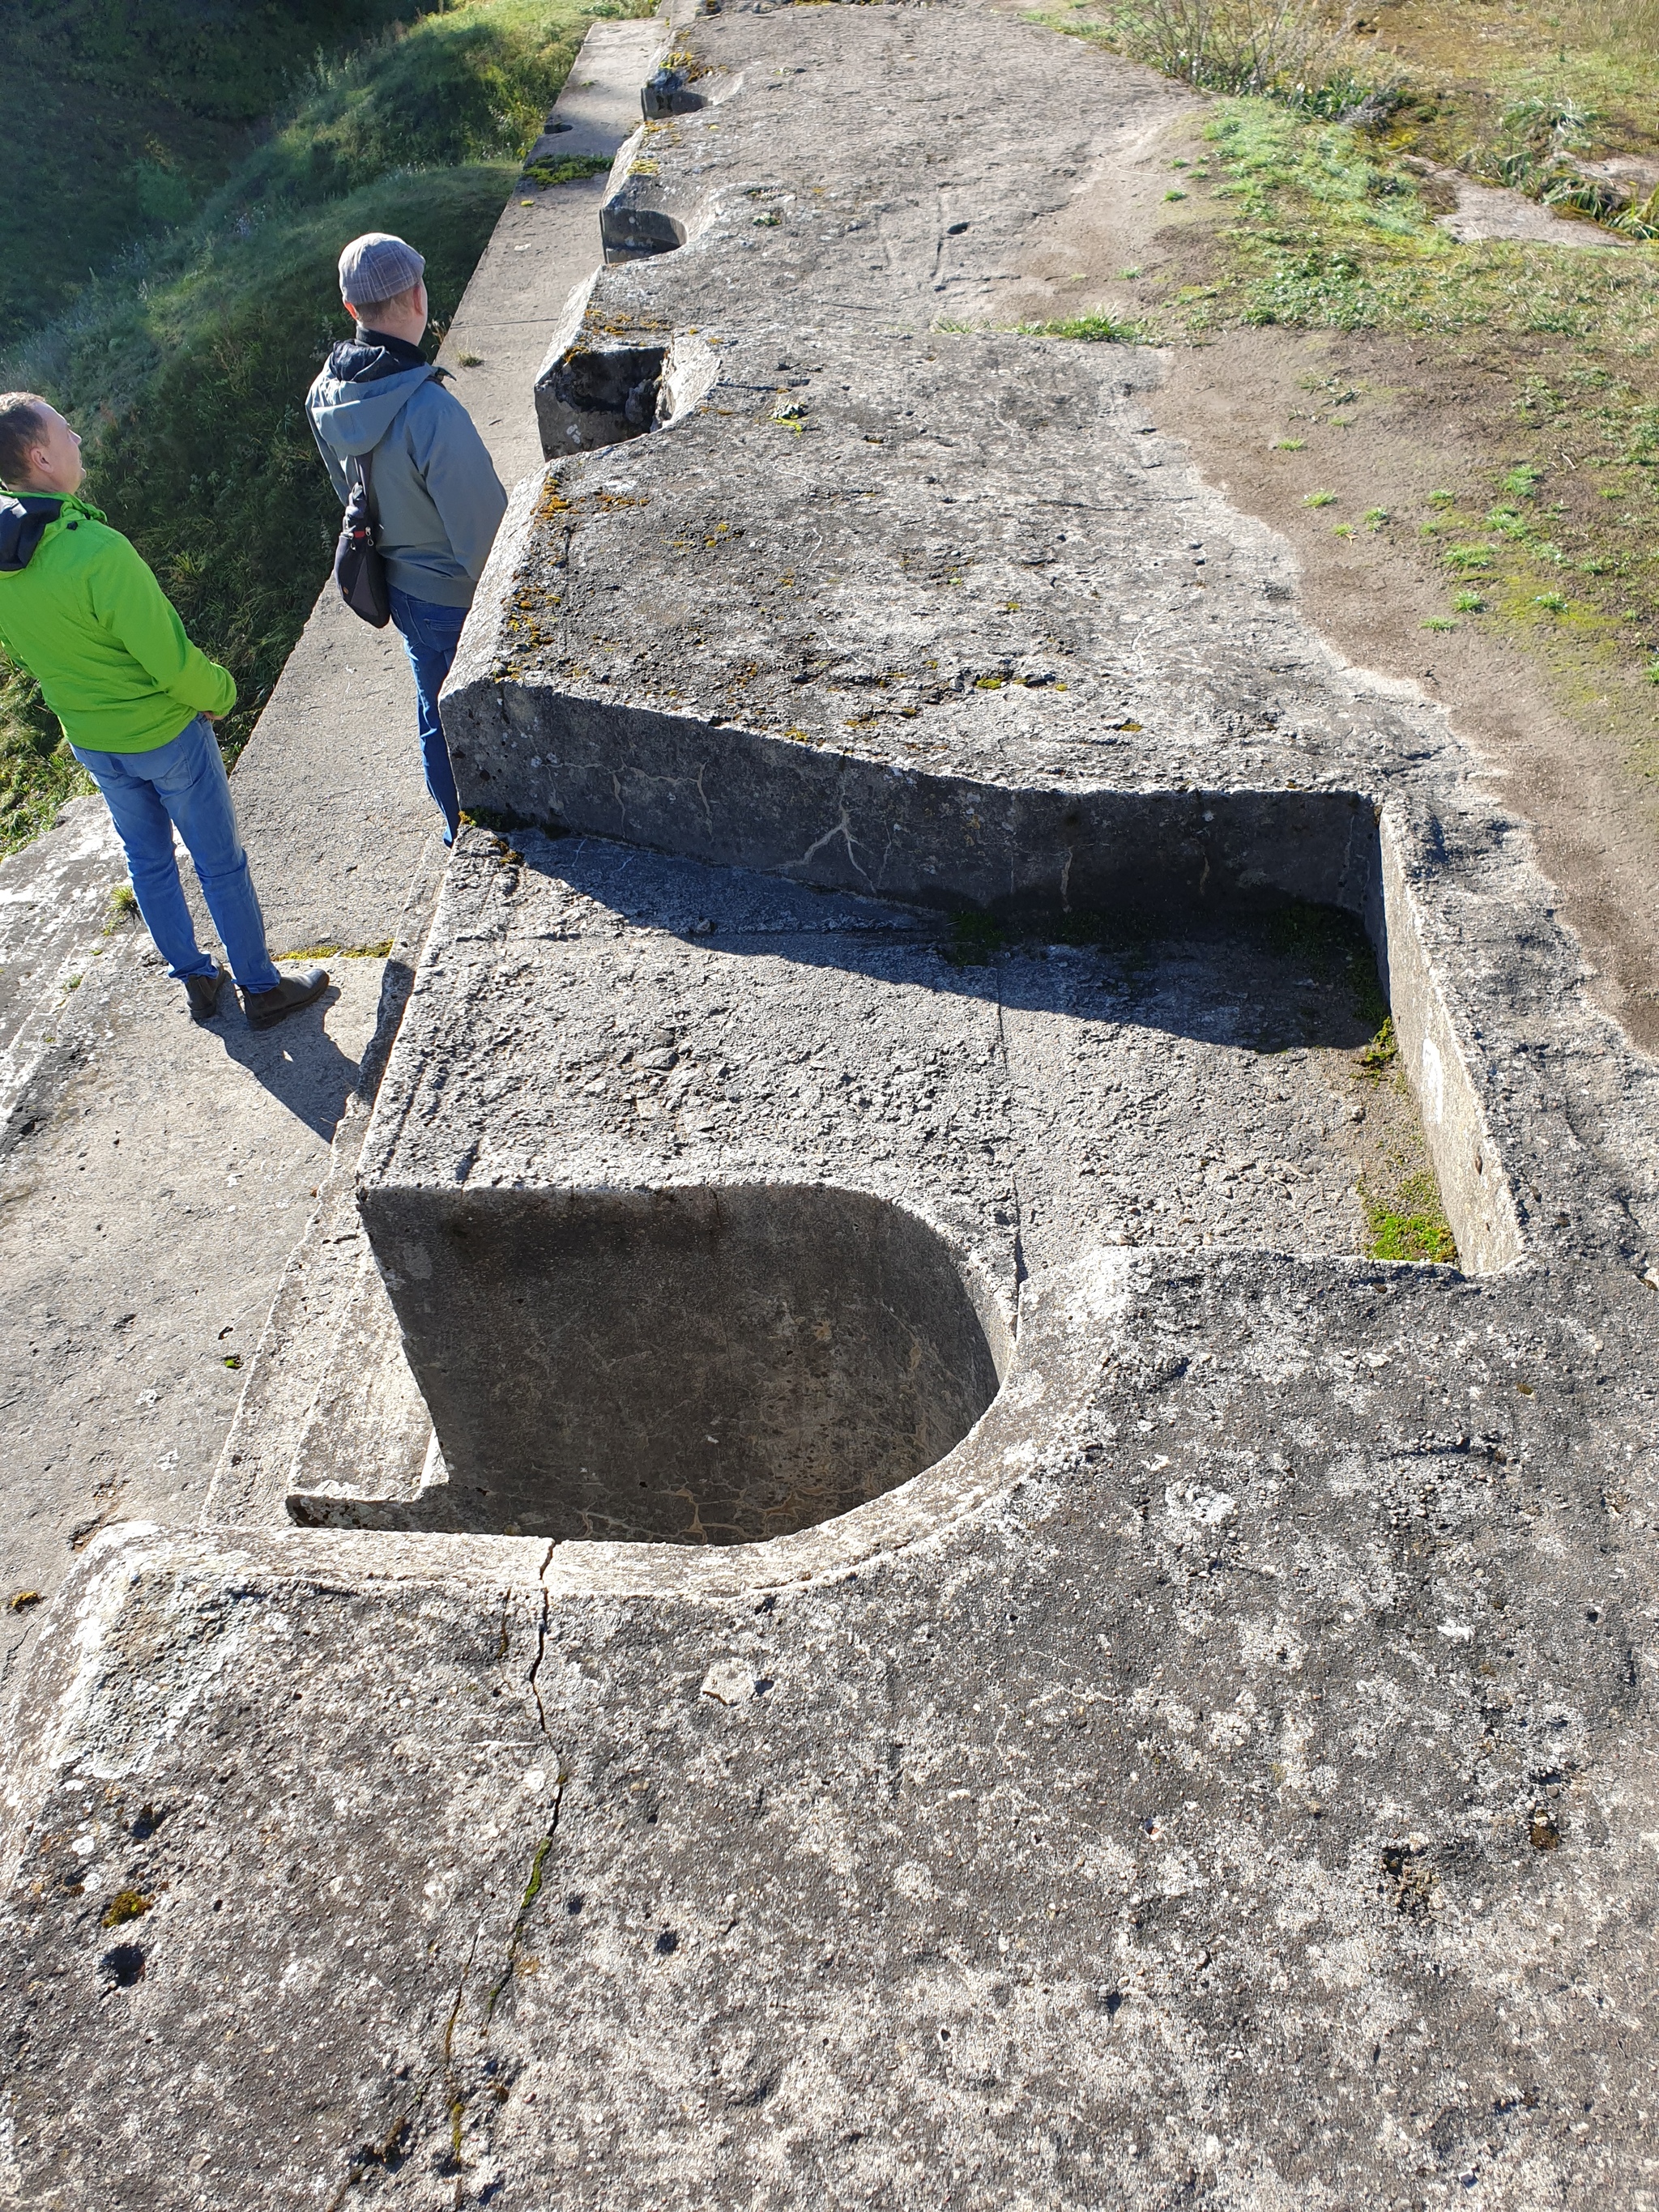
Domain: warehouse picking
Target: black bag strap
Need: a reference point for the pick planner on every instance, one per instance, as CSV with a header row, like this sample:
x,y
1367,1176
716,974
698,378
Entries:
x,y
366,478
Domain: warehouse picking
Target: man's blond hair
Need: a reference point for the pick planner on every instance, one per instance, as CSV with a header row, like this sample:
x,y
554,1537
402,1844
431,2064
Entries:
x,y
23,428
365,316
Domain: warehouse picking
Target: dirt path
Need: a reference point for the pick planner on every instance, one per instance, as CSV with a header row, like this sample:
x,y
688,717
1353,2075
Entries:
x,y
1594,820
1382,424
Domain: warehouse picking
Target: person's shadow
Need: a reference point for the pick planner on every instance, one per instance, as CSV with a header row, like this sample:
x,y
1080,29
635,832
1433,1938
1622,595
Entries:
x,y
297,1062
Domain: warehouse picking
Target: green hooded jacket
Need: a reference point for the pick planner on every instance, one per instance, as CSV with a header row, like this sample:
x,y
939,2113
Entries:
x,y
83,613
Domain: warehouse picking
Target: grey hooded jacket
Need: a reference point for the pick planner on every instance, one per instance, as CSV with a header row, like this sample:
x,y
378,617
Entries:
x,y
434,492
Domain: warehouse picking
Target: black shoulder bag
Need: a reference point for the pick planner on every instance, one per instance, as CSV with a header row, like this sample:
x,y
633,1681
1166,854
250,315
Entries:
x,y
359,568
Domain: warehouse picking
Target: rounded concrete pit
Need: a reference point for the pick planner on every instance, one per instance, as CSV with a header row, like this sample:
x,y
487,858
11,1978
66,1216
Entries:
x,y
694,1365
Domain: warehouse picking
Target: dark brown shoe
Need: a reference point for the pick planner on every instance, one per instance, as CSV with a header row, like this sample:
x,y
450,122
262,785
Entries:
x,y
264,1009
204,993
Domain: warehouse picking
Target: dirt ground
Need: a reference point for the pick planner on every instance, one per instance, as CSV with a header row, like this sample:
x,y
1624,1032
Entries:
x,y
1383,422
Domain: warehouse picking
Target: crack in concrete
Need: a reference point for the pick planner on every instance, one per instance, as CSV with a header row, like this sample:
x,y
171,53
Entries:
x,y
381,2153
541,1643
1020,1270
533,1889
460,2098
843,829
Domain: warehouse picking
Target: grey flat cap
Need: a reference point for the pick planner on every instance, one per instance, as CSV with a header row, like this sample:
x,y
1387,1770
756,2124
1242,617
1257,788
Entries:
x,y
378,266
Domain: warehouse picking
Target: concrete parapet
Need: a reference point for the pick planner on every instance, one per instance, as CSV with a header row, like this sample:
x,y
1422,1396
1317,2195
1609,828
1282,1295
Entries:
x,y
955,1638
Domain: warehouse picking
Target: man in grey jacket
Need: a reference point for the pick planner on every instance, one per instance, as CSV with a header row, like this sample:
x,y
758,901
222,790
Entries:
x,y
380,405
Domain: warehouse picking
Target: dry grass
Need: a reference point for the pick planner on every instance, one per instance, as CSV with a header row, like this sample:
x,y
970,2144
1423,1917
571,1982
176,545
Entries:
x,y
1289,48
1621,26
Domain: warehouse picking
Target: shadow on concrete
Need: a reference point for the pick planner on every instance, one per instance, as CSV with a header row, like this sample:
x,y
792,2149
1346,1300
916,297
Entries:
x,y
297,1062
1269,982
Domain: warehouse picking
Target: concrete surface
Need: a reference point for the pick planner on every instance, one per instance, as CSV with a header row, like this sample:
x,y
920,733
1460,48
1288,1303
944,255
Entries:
x,y
129,1288
1485,211
56,918
1228,1771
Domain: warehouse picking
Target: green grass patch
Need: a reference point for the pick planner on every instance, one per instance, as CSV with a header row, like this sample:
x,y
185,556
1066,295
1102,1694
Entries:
x,y
1531,96
1326,231
1383,1050
1410,1222
571,170
127,118
1091,330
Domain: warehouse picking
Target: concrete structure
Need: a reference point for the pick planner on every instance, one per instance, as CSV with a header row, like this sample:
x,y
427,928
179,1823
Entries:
x,y
869,1602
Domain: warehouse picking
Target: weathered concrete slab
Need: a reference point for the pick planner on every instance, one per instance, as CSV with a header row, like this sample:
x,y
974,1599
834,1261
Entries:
x,y
1191,1731
591,1020
57,926
1233,1765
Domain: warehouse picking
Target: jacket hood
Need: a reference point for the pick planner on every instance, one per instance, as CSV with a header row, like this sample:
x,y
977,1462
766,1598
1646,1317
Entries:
x,y
359,390
25,518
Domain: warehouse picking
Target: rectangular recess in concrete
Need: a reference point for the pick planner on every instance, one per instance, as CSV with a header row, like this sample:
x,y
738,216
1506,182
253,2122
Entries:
x,y
626,1082
1075,683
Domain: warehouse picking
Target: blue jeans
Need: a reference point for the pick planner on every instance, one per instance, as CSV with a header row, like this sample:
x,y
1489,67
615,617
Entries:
x,y
184,783
430,634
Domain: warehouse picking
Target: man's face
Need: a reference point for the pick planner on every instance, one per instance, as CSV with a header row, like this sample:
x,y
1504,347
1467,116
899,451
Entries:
x,y
55,458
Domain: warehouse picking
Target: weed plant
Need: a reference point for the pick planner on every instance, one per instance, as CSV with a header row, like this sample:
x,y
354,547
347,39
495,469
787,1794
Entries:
x,y
1292,49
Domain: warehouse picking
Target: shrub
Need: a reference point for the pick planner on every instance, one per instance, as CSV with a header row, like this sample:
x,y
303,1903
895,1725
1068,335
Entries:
x,y
1297,52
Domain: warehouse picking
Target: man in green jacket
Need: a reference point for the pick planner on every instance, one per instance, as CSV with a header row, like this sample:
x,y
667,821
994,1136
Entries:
x,y
84,615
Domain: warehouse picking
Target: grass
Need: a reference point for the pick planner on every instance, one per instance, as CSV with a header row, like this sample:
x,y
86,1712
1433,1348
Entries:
x,y
133,115
1317,224
1405,1218
570,169
186,364
1409,1223
1325,230
1530,96
1091,330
